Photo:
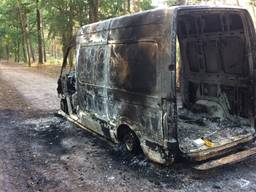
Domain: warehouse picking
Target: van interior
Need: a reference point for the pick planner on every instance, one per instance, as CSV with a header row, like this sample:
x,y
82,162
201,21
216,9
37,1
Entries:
x,y
214,99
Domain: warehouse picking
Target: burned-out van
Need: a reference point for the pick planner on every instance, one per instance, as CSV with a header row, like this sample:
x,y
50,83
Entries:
x,y
168,81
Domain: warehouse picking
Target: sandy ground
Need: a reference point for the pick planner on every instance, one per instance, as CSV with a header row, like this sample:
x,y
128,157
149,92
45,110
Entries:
x,y
41,152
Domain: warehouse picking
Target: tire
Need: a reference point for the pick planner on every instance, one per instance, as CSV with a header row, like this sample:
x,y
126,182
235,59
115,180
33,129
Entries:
x,y
131,142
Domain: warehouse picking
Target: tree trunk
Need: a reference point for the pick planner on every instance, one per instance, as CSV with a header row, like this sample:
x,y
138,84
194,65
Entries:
x,y
31,49
136,5
44,48
22,18
55,51
93,11
15,52
7,52
127,6
24,51
71,25
39,35
32,53
28,52
18,51
43,40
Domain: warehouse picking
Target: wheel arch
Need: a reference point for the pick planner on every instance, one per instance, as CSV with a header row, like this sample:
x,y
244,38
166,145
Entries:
x,y
122,129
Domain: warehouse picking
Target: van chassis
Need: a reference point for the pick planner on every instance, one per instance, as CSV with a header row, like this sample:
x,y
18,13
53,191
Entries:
x,y
123,130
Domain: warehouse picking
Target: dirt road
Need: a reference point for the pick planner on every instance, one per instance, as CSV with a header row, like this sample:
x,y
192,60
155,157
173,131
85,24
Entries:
x,y
41,152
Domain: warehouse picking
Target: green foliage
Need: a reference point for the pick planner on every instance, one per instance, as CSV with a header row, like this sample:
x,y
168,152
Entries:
x,y
183,2
146,4
110,8
9,30
171,2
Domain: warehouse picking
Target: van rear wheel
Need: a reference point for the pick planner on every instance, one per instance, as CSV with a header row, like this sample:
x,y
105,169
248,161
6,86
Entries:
x,y
131,142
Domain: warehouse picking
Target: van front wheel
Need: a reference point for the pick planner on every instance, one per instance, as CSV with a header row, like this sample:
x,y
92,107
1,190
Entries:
x,y
131,142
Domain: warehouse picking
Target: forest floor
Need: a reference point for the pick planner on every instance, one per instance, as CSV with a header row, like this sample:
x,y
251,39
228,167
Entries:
x,y
41,152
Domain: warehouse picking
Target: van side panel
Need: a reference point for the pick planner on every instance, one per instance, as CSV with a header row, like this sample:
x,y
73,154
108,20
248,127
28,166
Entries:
x,y
91,70
122,73
133,84
134,93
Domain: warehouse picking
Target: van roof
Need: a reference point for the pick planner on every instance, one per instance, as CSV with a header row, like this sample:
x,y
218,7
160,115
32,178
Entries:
x,y
151,16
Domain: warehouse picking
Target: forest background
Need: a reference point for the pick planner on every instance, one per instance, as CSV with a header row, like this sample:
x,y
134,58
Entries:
x,y
36,32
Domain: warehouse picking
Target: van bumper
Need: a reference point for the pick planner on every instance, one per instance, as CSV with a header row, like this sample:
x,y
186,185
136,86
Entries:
x,y
219,151
230,159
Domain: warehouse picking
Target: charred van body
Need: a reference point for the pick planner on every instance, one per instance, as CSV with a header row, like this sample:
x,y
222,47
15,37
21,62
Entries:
x,y
129,85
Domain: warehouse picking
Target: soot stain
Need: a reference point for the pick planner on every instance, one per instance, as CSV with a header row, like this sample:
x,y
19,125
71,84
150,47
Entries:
x,y
52,138
160,175
49,134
